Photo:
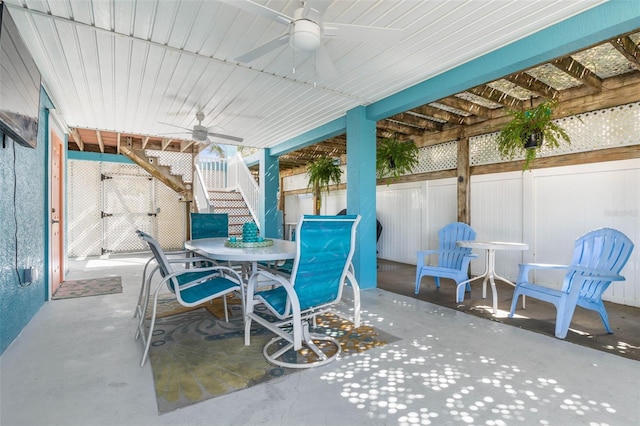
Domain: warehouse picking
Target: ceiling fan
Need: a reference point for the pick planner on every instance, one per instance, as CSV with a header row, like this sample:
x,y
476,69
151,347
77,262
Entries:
x,y
307,30
200,133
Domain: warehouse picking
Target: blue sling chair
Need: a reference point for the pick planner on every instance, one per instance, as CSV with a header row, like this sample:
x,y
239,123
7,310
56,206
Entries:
x,y
203,225
453,261
325,246
191,287
598,258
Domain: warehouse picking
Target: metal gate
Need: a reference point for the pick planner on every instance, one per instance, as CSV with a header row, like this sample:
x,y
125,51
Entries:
x,y
127,205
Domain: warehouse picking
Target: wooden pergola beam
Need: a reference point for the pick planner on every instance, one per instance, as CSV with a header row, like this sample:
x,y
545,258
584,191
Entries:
x,y
629,49
497,96
532,84
464,105
578,71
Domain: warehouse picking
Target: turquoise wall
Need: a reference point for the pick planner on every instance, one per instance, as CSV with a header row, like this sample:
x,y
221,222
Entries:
x,y
23,194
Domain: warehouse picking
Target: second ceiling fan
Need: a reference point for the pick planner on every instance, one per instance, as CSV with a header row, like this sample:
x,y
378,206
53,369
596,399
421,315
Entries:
x,y
306,32
200,133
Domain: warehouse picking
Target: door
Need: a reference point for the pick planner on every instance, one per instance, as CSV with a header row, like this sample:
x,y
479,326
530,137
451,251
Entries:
x,y
56,251
128,205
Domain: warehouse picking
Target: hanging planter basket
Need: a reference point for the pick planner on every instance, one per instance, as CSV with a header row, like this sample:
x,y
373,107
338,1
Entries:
x,y
534,140
526,131
395,158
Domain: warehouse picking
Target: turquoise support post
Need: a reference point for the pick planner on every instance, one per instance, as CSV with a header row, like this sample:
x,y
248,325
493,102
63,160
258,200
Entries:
x,y
270,217
361,192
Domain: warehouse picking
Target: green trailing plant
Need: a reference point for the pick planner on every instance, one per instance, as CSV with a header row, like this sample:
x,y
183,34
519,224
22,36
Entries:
x,y
395,158
535,125
322,173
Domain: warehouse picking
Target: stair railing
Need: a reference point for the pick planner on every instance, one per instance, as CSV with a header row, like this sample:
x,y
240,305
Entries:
x,y
230,174
200,192
241,179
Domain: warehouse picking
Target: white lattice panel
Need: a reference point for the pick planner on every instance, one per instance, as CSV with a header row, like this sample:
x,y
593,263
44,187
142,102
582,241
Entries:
x,y
170,219
86,231
84,203
607,128
443,156
181,163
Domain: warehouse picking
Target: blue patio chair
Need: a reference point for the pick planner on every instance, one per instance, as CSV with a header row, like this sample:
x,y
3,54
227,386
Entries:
x,y
285,267
325,246
191,287
453,261
209,225
598,258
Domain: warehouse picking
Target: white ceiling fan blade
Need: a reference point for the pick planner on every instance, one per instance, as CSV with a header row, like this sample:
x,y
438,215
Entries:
x,y
314,10
362,33
174,133
220,135
324,64
261,10
173,125
263,49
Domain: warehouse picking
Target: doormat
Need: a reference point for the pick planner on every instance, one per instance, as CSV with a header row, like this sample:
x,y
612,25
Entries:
x,y
90,287
195,356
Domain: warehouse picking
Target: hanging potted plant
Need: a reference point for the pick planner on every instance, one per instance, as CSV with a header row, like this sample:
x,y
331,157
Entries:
x,y
395,158
527,130
322,172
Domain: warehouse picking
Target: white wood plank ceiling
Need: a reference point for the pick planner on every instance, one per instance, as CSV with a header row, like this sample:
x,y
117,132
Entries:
x,y
130,65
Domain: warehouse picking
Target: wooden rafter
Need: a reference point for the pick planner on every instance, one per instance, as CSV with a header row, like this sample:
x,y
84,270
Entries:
x,y
440,114
417,121
532,84
578,71
495,95
465,105
629,49
77,139
397,127
100,141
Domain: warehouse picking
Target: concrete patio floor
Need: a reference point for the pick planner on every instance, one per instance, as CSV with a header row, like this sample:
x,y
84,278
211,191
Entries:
x,y
76,363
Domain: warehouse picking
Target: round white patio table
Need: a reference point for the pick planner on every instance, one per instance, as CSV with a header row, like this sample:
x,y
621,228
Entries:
x,y
215,249
490,265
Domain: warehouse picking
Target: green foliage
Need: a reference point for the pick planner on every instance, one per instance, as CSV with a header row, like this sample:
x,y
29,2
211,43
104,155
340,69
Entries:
x,y
395,158
525,123
322,172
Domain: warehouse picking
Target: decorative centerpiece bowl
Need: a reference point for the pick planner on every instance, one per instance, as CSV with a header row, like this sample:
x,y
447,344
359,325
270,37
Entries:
x,y
249,238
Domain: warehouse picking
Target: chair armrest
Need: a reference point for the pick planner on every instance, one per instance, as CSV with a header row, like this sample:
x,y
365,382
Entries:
x,y
592,273
525,268
190,260
215,270
423,254
426,252
175,253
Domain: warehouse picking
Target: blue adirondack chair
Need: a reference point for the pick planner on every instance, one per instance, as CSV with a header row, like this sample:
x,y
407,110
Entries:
x,y
598,258
453,261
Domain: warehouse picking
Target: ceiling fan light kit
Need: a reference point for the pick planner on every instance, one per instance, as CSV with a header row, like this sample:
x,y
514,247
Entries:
x,y
305,35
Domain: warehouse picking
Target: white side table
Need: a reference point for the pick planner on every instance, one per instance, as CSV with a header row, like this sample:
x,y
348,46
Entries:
x,y
490,265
